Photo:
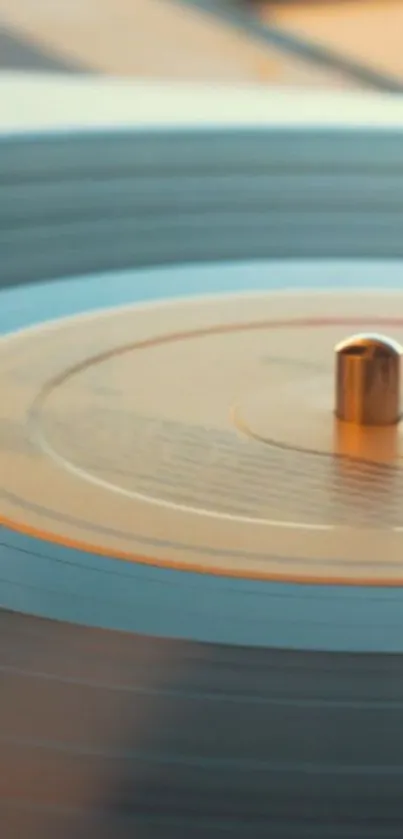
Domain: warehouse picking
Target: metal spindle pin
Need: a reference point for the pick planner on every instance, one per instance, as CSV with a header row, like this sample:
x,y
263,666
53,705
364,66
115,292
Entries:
x,y
368,380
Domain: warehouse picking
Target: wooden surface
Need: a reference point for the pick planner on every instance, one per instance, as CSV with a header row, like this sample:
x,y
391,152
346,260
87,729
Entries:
x,y
369,31
168,39
153,39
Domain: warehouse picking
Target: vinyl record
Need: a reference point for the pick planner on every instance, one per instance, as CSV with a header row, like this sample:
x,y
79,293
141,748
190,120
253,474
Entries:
x,y
202,599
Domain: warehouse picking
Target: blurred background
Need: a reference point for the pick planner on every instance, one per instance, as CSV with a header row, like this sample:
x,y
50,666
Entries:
x,y
325,43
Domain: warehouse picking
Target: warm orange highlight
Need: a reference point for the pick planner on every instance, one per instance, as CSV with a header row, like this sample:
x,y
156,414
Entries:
x,y
197,568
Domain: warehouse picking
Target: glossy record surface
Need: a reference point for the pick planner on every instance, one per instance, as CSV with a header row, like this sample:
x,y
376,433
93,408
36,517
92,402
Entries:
x,y
175,705
280,613
127,726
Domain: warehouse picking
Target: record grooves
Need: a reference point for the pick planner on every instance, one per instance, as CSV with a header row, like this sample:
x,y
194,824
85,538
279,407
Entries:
x,y
202,599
